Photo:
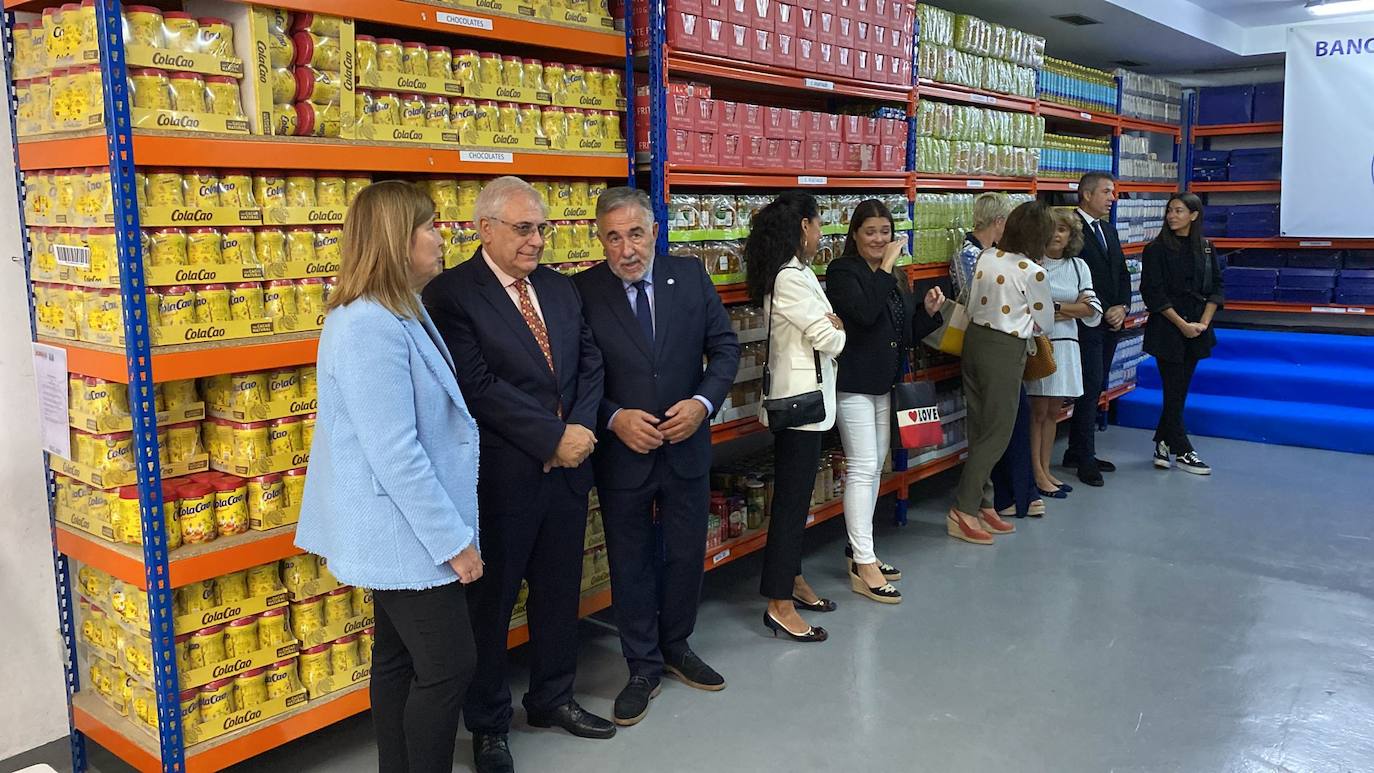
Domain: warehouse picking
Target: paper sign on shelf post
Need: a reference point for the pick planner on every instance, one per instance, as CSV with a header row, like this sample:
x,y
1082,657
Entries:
x,y
50,373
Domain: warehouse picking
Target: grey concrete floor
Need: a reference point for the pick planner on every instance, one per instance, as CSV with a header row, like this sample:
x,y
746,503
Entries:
x,y
1164,623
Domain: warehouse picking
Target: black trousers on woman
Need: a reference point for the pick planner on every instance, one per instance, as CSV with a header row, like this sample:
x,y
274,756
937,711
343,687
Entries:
x,y
796,459
1177,377
422,661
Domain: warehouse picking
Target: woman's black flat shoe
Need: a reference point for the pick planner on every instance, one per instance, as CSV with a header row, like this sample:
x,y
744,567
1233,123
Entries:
x,y
1066,488
813,634
1052,494
821,605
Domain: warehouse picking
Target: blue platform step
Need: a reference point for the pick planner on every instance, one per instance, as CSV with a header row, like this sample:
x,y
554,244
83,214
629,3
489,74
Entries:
x,y
1301,389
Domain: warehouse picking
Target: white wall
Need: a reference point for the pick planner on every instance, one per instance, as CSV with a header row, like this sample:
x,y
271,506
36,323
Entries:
x,y
33,709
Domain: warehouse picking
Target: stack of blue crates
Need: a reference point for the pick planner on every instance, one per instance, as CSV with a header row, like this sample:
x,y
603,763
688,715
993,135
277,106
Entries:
x,y
1252,164
1262,103
1300,276
1210,165
1252,221
1268,103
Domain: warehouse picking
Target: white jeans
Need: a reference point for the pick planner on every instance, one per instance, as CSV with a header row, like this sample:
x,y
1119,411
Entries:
x,y
865,423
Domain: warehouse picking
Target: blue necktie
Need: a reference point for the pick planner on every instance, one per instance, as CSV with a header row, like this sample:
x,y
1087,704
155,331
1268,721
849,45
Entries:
x,y
1101,237
642,311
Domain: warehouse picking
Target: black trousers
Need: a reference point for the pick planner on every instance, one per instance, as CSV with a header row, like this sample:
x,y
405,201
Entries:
x,y
796,459
1176,378
656,569
1013,479
536,535
1098,348
422,660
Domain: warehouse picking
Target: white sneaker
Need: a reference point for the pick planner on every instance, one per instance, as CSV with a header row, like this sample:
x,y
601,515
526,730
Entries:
x,y
1191,462
1162,455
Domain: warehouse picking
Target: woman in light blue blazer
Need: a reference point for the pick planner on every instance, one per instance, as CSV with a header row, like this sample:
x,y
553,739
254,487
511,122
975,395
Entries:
x,y
391,496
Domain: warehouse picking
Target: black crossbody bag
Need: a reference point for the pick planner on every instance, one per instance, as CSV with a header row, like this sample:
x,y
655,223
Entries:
x,y
797,410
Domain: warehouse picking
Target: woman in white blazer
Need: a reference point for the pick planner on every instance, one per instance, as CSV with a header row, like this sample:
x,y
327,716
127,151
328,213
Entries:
x,y
805,333
391,498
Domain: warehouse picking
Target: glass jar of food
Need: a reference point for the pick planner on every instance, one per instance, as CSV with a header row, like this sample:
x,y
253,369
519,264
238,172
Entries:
x,y
512,71
318,86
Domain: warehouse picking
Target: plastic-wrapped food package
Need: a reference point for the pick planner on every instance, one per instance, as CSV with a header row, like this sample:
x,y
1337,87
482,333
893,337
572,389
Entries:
x,y
684,211
722,211
898,206
749,205
936,24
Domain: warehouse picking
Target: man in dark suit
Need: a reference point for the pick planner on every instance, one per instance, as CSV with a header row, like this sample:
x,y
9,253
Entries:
x,y
531,375
1112,283
654,319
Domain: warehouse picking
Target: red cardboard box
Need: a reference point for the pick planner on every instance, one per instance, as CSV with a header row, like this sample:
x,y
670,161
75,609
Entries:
x,y
807,22
825,27
808,4
851,128
813,125
739,11
785,18
681,112
756,152
898,42
863,9
844,61
815,154
762,49
684,6
777,152
754,119
680,150
834,127
863,29
731,147
716,39
795,154
872,129
764,15
795,121
826,62
877,37
704,114
896,11
715,9
863,65
729,116
878,67
854,160
844,30
887,129
834,156
706,152
739,46
889,160
879,8
808,54
775,122
684,31
903,76
785,50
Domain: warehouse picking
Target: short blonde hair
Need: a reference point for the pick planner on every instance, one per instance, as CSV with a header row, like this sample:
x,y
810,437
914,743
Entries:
x,y
376,247
988,208
1069,219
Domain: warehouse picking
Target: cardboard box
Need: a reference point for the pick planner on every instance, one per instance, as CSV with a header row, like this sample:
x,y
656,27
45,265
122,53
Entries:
x,y
334,682
785,18
775,122
703,114
762,49
834,155
795,124
826,60
716,40
756,152
229,612
685,6
739,44
739,12
785,50
251,468
680,149
851,128
826,29
815,153
110,480
872,129
844,62
807,24
681,114
863,65
337,630
730,116
844,30
879,68
755,119
715,9
706,151
204,731
891,158
777,152
877,37
234,666
794,154
101,425
685,31
808,55
731,145
763,16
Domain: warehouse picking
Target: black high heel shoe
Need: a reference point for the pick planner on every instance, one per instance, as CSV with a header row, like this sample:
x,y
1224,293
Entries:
x,y
814,634
821,605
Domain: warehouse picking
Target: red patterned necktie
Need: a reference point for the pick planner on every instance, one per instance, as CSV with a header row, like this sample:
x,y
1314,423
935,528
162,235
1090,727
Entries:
x,y
536,325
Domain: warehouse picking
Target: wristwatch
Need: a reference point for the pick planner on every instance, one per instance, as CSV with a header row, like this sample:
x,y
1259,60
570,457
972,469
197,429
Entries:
x,y
1057,306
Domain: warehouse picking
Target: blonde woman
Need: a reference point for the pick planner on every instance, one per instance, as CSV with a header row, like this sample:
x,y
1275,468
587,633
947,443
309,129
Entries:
x,y
990,212
1071,287
391,498
1009,301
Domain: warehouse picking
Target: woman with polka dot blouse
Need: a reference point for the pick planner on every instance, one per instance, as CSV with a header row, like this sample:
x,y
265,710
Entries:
x,y
1008,303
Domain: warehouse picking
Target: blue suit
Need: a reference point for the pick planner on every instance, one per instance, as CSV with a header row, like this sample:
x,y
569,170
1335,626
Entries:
x,y
392,490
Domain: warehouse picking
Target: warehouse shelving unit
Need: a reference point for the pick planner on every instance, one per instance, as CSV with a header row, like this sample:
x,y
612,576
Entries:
x,y
151,566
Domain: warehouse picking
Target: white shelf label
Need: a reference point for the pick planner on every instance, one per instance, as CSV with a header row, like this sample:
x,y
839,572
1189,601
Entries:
x,y
816,83
983,99
810,519
721,556
1330,310
1073,186
963,455
463,20
812,180
487,156
1085,116
68,255
50,375
974,183
1318,243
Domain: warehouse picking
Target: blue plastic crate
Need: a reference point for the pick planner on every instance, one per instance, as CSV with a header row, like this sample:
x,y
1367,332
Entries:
x,y
1303,295
1250,293
1268,106
1258,259
1252,209
1225,104
1211,157
1211,174
1247,173
1238,276
1359,259
1315,259
1355,297
1306,278
1356,280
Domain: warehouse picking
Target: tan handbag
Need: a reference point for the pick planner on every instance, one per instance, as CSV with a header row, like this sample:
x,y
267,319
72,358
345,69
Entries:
x,y
1039,358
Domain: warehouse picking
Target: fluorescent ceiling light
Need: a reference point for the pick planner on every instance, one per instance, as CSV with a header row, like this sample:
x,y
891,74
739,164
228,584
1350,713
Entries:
x,y
1338,7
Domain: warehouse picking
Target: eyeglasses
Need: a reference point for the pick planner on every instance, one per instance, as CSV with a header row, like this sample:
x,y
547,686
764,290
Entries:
x,y
526,230
636,237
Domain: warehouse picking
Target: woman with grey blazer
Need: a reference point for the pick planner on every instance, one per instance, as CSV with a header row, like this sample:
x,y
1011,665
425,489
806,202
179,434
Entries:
x,y
391,496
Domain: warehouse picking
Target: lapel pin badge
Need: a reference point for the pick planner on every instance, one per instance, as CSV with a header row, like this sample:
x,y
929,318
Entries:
x,y
670,280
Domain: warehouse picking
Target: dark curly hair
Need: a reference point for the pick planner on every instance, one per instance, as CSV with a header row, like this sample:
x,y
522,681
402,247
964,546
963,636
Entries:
x,y
775,238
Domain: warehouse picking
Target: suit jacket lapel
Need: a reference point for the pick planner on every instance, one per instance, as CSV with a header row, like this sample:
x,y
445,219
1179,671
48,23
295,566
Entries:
x,y
619,303
501,302
664,289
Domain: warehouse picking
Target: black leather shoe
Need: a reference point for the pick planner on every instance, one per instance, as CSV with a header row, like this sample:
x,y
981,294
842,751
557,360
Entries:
x,y
1105,466
491,753
575,720
693,672
1071,461
1090,477
632,704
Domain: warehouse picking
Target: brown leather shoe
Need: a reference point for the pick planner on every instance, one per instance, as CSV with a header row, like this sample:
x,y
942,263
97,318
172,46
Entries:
x,y
959,526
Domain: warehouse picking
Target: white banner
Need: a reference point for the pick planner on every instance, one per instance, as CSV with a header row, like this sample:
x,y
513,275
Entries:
x,y
1328,132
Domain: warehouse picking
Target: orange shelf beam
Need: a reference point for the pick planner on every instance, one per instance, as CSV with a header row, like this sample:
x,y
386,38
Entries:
x,y
195,363
1299,308
927,271
1221,130
253,152
1042,185
187,564
1068,113
1280,243
734,430
1127,186
729,177
1234,187
736,293
931,182
781,77
1134,248
946,92
1159,127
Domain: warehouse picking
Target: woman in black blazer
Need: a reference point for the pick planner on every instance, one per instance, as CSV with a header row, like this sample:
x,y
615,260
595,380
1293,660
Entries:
x,y
1181,286
882,319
